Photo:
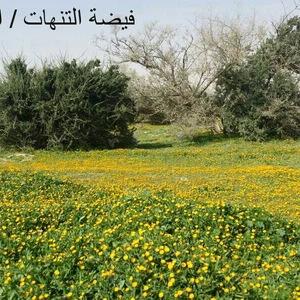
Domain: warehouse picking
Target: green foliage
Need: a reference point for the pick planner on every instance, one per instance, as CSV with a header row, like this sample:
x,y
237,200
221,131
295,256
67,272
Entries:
x,y
59,240
260,98
69,105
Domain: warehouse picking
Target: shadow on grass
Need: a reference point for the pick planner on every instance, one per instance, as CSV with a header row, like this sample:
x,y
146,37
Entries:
x,y
153,145
203,139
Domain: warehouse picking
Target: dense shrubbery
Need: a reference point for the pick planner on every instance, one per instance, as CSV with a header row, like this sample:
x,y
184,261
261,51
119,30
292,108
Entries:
x,y
260,98
69,105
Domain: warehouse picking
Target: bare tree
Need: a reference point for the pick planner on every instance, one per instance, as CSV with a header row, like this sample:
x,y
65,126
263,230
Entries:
x,y
183,65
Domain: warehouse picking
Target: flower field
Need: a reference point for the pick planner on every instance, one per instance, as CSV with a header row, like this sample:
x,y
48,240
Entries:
x,y
213,219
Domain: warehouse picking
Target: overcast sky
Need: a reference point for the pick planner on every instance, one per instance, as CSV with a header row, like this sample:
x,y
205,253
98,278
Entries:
x,y
77,41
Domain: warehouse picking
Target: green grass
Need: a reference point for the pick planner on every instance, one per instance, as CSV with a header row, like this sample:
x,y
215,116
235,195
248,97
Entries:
x,y
209,218
63,240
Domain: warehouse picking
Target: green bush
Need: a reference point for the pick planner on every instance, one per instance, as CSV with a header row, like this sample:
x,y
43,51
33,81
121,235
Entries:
x,y
260,98
68,105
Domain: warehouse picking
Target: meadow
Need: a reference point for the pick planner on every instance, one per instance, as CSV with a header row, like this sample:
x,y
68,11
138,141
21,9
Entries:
x,y
211,218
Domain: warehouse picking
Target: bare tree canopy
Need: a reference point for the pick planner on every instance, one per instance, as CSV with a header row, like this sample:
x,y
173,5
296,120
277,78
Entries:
x,y
183,65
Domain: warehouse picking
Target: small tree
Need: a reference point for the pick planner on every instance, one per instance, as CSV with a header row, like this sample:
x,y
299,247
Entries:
x,y
182,66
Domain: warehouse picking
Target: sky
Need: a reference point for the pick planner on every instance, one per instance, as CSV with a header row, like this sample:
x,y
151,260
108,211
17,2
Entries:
x,y
37,42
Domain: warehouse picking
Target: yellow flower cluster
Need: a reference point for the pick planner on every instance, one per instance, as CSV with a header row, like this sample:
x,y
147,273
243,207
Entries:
x,y
265,175
61,240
